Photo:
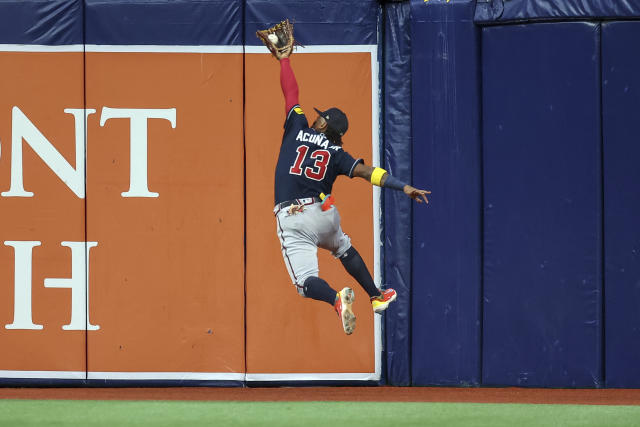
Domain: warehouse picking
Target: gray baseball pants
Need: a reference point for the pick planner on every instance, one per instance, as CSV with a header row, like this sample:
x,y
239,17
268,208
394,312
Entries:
x,y
302,233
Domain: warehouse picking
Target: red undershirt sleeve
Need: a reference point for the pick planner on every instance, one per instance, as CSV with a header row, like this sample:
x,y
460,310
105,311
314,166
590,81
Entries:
x,y
289,85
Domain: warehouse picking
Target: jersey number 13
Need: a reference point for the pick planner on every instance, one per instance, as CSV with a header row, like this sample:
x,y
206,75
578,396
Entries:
x,y
319,168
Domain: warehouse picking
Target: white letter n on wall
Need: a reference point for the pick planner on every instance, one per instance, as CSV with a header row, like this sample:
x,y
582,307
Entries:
x,y
23,129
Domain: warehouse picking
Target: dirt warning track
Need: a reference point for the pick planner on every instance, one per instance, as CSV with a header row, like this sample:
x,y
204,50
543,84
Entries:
x,y
370,394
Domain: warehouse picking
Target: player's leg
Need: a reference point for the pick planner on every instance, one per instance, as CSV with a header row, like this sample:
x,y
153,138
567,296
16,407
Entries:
x,y
340,245
355,266
301,259
318,289
336,241
300,254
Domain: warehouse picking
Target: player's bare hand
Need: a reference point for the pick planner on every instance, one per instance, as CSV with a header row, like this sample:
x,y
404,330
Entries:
x,y
416,194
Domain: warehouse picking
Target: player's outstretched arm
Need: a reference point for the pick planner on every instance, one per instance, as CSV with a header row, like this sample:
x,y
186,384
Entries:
x,y
382,178
288,83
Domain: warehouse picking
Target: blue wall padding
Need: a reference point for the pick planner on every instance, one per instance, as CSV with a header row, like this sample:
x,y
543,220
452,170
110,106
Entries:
x,y
446,160
351,21
153,22
621,142
397,207
53,22
493,11
542,205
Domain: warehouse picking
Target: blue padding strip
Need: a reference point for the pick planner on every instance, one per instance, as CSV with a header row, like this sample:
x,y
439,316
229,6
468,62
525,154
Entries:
x,y
494,11
41,382
542,205
317,22
53,22
397,206
621,125
155,22
446,159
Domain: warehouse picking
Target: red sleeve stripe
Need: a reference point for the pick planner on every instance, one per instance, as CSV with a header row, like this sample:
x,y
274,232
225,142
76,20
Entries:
x,y
289,85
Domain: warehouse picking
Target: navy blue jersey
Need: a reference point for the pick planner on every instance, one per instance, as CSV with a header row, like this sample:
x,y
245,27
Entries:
x,y
308,163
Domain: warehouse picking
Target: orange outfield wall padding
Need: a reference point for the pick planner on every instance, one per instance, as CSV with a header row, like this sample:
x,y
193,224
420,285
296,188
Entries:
x,y
285,332
165,217
168,275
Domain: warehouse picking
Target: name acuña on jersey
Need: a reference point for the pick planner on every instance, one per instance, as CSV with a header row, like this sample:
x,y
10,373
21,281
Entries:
x,y
319,139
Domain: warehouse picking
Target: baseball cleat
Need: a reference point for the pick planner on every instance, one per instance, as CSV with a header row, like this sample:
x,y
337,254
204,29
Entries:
x,y
381,303
343,308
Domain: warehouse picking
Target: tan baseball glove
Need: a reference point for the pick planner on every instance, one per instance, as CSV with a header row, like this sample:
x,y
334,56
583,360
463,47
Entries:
x,y
278,39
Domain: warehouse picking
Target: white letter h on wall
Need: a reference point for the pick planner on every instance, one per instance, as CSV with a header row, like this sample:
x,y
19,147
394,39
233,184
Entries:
x,y
78,283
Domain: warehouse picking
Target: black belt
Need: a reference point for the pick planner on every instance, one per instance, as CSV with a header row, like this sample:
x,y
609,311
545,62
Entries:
x,y
302,201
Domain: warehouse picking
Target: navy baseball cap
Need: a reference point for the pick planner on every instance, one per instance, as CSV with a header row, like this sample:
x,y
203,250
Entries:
x,y
336,119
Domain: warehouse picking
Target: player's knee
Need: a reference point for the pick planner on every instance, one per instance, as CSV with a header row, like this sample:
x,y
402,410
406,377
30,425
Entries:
x,y
348,254
343,248
306,282
300,290
300,284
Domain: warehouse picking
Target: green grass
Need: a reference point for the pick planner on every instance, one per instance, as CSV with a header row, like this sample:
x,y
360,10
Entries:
x,y
16,413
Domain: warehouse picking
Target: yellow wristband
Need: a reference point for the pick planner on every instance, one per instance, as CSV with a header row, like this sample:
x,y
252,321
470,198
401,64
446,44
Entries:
x,y
376,176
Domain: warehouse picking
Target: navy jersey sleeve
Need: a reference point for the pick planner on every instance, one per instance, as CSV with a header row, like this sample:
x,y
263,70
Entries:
x,y
295,120
344,163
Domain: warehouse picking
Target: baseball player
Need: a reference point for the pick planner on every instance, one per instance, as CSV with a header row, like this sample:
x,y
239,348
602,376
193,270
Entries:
x,y
310,160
